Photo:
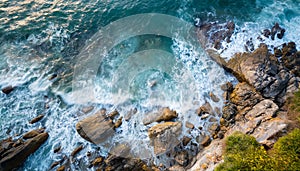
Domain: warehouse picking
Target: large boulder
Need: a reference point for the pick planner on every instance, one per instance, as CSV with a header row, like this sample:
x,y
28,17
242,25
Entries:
x,y
96,128
261,70
13,154
164,136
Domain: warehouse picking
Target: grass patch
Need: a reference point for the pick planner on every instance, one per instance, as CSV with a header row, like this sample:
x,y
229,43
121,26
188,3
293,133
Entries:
x,y
243,152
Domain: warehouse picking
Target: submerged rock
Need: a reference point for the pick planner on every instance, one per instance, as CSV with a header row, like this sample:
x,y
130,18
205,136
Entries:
x,y
96,128
164,136
36,119
8,89
13,157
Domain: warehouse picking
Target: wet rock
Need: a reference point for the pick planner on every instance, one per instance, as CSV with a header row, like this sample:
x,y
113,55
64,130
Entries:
x,y
97,161
206,141
266,33
36,119
95,128
57,149
76,150
30,134
164,136
113,114
117,163
87,109
186,140
227,87
8,89
14,157
189,125
211,34
130,114
51,77
182,158
54,164
118,123
205,109
164,114
61,168
276,29
214,97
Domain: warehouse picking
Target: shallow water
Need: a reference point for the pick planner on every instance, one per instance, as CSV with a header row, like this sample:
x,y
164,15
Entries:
x,y
42,38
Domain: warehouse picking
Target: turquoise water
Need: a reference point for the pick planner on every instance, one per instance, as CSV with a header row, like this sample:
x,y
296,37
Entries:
x,y
42,38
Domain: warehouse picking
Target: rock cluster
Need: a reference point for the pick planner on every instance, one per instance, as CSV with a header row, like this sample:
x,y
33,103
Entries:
x,y
14,152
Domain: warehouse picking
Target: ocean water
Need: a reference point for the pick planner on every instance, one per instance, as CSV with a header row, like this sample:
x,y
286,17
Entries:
x,y
143,69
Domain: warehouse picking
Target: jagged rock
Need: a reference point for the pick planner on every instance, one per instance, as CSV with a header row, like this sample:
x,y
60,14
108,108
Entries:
x,y
261,70
227,87
95,128
8,89
269,132
266,108
164,114
291,58
36,119
211,34
182,158
244,96
229,111
117,163
164,136
205,109
13,157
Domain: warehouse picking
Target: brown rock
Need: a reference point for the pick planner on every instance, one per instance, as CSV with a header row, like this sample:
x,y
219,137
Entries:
x,y
164,136
76,150
97,161
87,109
214,97
7,90
61,168
54,164
186,140
118,122
164,114
189,125
244,96
182,158
30,134
16,156
205,109
206,141
36,119
113,114
95,128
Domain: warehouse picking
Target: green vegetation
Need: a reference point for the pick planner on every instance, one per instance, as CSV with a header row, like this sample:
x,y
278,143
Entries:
x,y
294,104
243,152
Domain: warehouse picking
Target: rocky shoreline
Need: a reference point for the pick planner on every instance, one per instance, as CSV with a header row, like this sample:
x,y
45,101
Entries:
x,y
254,106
